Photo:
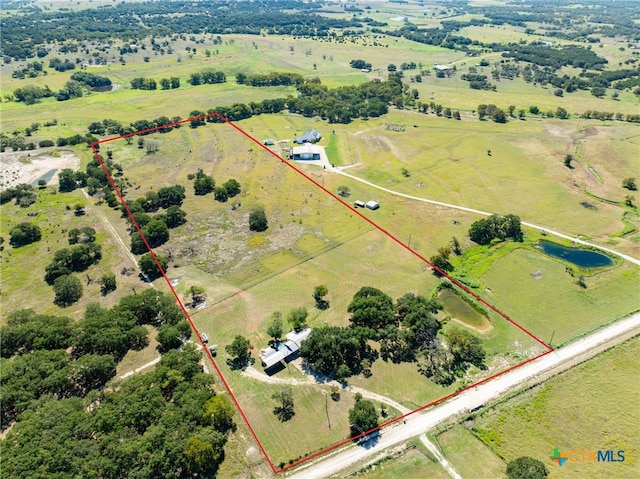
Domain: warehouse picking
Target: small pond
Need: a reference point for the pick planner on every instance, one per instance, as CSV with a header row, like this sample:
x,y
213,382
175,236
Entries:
x,y
459,309
580,257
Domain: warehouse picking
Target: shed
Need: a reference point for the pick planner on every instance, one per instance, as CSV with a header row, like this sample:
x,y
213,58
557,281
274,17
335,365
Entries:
x,y
309,136
306,152
441,67
359,204
269,142
372,205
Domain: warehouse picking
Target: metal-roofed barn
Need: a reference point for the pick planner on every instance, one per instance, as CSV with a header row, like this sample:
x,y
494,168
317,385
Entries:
x,y
283,352
306,152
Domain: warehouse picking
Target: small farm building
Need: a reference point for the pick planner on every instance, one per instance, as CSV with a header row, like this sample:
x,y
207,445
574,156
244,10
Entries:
x,y
372,205
305,152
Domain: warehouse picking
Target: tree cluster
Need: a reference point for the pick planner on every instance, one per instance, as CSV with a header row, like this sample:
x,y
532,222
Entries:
x,y
207,77
342,104
155,228
239,351
360,64
45,350
142,83
406,331
165,423
23,193
496,227
556,57
91,80
609,115
72,260
478,82
30,70
363,416
61,65
258,220
24,234
496,114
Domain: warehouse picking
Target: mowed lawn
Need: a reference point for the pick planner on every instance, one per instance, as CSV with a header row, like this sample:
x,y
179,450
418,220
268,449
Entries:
x,y
593,406
539,294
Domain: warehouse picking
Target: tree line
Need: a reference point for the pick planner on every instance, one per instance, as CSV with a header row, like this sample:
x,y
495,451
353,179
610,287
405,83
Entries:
x,y
270,79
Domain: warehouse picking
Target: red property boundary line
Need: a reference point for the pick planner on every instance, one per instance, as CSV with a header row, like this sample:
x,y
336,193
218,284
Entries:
x,y
95,146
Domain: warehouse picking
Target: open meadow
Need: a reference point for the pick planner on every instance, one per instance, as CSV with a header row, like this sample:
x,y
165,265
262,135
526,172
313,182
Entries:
x,y
591,407
312,239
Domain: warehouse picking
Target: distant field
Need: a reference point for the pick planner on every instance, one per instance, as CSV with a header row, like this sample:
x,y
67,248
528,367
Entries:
x,y
449,161
412,464
553,415
469,458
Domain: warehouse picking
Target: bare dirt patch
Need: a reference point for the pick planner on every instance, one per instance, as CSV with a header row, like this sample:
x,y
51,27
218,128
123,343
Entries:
x,y
17,167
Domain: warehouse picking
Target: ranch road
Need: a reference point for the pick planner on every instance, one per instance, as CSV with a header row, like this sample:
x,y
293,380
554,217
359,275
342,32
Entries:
x,y
484,213
111,230
418,423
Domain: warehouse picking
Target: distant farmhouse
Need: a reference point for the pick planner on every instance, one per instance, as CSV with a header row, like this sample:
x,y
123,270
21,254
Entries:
x,y
306,152
309,136
441,68
282,353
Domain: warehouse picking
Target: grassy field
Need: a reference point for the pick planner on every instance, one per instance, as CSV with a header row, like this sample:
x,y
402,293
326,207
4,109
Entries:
x,y
555,306
312,405
450,161
554,415
512,168
23,268
469,457
412,464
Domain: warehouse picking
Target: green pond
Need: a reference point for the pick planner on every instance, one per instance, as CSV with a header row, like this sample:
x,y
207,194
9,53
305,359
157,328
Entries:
x,y
459,309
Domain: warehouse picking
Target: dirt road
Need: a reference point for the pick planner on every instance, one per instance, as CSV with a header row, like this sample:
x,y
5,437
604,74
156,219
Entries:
x,y
419,423
109,227
484,213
